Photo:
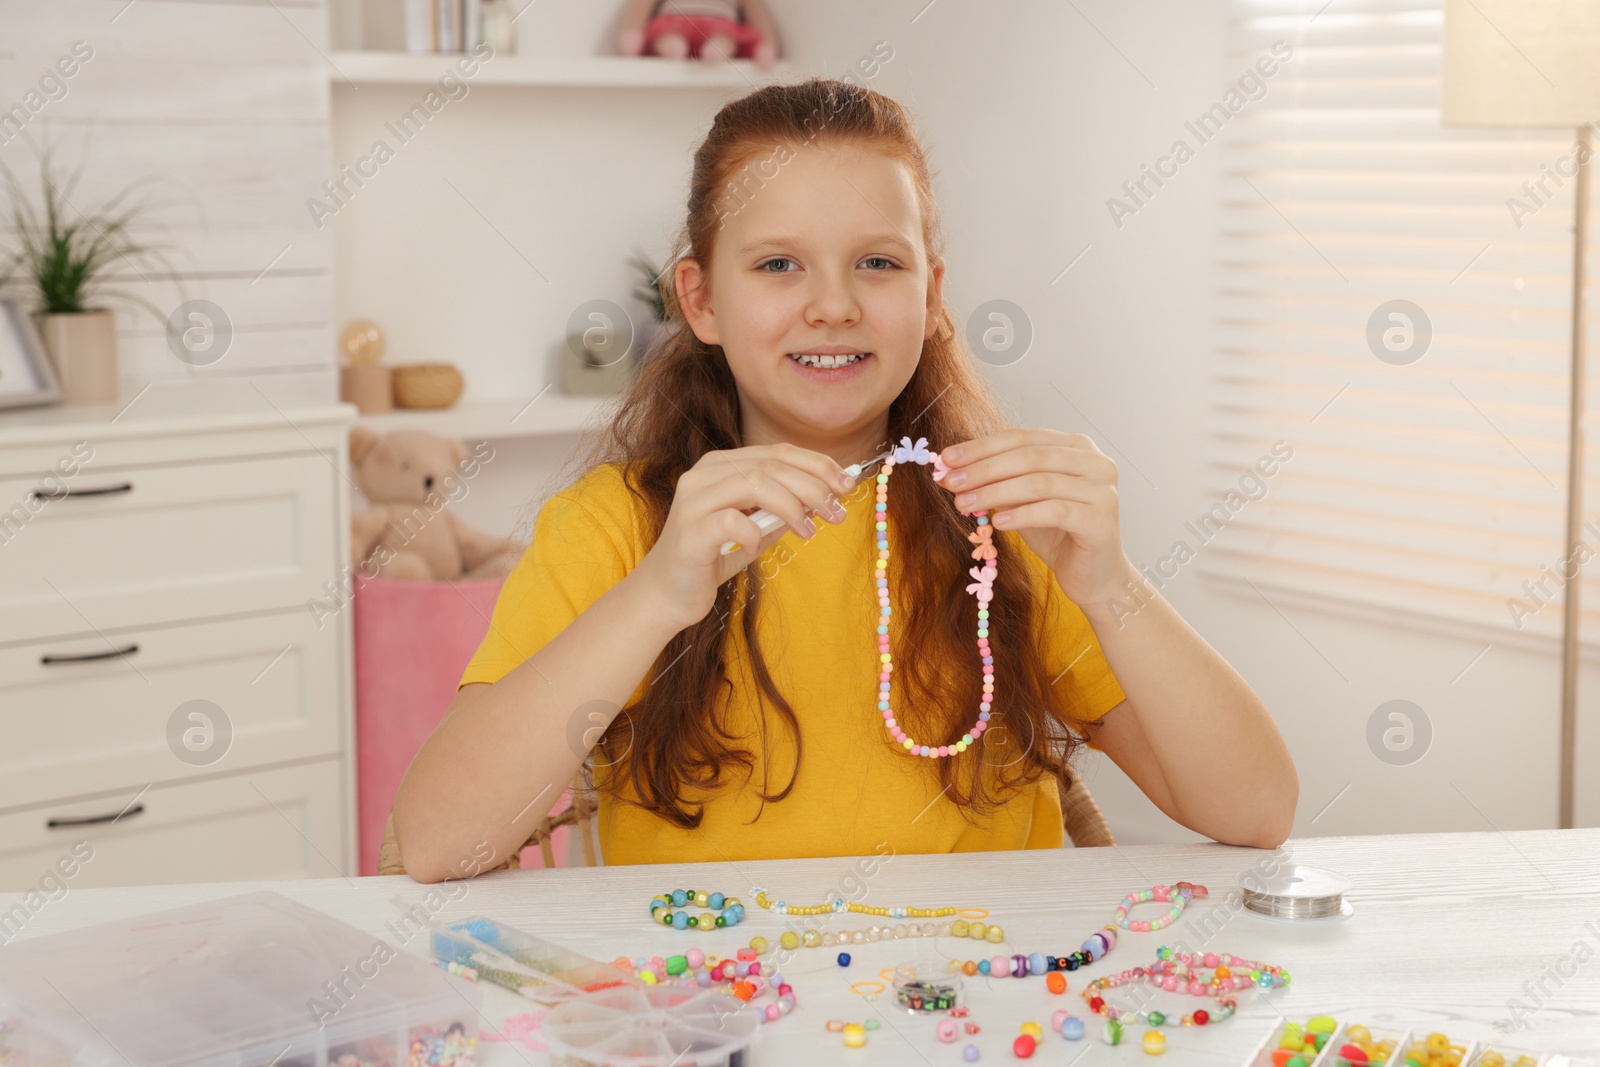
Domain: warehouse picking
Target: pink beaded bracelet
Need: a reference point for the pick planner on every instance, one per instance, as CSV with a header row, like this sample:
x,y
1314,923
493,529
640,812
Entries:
x,y
982,590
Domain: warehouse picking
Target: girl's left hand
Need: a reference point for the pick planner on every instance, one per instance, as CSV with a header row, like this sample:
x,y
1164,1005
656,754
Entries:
x,y
1059,491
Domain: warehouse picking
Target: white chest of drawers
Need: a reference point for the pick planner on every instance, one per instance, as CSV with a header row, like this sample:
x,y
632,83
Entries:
x,y
167,692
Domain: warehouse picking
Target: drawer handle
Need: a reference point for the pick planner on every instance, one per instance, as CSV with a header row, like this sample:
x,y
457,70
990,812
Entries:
x,y
63,493
54,660
93,820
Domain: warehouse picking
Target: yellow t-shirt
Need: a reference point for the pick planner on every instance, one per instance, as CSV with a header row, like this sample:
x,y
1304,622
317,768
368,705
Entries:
x,y
855,789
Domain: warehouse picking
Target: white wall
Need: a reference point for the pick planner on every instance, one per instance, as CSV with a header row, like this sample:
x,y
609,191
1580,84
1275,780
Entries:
x,y
1034,114
223,108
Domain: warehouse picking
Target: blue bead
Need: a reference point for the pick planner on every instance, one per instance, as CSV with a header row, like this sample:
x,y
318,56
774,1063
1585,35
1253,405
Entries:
x,y
983,966
681,920
717,899
1072,1028
679,897
844,959
1036,963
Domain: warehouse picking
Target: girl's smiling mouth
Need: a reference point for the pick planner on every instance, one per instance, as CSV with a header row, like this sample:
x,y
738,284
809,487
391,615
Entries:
x,y
829,362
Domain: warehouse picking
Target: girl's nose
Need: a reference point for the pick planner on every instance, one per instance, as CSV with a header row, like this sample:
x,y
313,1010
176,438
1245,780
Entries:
x,y
833,302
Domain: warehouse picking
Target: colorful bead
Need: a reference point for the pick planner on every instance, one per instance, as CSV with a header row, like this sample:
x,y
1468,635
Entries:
x,y
947,1030
1034,1029
855,1035
982,589
1154,1041
970,1053
1072,1028
1023,1046
844,959
1055,983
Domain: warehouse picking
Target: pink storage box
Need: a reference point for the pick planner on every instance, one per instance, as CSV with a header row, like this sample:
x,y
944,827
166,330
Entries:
x,y
413,640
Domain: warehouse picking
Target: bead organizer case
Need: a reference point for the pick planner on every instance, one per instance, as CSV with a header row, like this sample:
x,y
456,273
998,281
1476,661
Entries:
x,y
244,981
1462,1053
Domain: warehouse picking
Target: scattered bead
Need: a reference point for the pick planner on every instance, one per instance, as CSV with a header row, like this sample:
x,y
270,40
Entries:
x,y
970,1053
970,1027
1111,1033
1023,1046
1034,1030
1072,1028
855,1035
1055,983
844,959
947,1030
836,1025
1155,1042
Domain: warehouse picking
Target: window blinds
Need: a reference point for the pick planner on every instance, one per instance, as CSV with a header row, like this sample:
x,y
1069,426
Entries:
x,y
1431,486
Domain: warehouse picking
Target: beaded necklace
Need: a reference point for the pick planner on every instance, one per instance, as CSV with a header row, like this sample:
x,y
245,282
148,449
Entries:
x,y
982,589
1098,944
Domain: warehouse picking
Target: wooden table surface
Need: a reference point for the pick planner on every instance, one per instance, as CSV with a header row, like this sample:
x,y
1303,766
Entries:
x,y
1450,932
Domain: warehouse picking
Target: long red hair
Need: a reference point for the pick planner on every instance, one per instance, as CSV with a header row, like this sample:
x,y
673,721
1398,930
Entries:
x,y
683,403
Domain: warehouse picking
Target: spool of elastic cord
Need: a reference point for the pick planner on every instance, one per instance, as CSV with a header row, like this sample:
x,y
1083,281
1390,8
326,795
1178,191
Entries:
x,y
1296,893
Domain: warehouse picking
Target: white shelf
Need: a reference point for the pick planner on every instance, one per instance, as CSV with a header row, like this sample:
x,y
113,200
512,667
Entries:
x,y
618,72
550,414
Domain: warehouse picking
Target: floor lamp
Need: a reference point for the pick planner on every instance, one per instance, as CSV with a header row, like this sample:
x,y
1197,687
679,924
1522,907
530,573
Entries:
x,y
1536,63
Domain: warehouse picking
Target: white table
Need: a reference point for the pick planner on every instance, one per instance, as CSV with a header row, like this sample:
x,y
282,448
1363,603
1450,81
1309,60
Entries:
x,y
1447,929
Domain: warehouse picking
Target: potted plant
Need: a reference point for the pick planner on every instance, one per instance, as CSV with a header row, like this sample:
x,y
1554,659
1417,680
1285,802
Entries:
x,y
68,255
649,291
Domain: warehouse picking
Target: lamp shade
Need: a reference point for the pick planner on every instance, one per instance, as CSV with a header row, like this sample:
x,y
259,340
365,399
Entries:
x,y
1521,62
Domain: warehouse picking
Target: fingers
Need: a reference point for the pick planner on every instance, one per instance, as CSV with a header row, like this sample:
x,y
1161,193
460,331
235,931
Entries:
x,y
1028,488
1043,453
792,493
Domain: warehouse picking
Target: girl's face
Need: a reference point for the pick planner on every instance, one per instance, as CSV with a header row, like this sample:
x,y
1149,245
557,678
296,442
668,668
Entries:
x,y
823,256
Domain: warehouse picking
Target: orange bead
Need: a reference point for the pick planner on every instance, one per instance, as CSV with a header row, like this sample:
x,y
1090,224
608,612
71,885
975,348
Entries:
x,y
969,968
1223,972
1054,982
744,990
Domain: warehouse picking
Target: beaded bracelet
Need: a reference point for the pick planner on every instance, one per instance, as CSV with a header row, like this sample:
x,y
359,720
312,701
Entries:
x,y
1179,894
982,589
1177,972
838,906
728,909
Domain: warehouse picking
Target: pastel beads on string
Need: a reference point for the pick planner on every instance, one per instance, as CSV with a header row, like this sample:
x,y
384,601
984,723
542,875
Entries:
x,y
982,589
1179,895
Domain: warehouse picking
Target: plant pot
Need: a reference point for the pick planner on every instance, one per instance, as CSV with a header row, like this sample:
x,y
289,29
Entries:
x,y
369,386
83,346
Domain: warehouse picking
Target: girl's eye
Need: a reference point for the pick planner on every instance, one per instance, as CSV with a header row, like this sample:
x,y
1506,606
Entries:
x,y
770,262
887,263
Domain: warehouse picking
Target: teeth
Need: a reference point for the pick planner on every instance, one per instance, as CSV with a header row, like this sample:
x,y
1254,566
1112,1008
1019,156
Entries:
x,y
827,361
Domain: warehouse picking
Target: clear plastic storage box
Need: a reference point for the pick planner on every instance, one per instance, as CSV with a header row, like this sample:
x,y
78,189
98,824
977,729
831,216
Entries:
x,y
247,981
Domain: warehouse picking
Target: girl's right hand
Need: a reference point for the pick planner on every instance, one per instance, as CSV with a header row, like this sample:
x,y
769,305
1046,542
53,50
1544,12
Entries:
x,y
711,506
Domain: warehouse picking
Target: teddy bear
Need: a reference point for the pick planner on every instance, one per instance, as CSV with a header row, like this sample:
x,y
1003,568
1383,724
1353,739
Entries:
x,y
409,476
712,30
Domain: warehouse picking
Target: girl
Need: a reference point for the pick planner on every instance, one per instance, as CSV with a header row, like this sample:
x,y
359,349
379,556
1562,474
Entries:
x,y
729,705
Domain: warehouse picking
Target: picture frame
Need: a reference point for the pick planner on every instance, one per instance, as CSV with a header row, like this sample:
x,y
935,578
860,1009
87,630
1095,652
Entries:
x,y
27,374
